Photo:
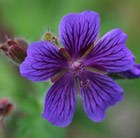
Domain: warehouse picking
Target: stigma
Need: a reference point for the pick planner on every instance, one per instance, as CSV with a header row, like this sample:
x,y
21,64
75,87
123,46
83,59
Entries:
x,y
76,67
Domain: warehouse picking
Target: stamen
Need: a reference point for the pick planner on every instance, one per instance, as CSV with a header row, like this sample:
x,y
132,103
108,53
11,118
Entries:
x,y
94,70
85,83
88,51
77,86
58,75
65,53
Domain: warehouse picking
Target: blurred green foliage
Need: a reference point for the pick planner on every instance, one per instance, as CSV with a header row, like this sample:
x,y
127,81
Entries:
x,y
30,19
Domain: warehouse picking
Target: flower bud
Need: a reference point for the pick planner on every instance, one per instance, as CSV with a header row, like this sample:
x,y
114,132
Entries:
x,y
15,49
48,36
5,107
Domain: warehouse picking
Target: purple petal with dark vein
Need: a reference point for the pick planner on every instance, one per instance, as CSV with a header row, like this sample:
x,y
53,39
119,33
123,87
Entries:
x,y
99,93
78,31
110,54
42,62
60,102
133,73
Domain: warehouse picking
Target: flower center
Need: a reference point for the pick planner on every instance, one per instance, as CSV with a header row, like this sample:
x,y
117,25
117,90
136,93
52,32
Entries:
x,y
76,67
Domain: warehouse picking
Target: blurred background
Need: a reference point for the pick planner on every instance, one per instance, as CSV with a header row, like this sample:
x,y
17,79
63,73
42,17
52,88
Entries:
x,y
30,19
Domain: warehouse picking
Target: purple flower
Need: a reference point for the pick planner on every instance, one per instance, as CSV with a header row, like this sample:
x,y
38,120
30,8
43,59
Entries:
x,y
80,67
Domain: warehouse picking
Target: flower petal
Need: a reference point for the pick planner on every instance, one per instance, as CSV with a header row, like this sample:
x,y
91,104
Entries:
x,y
98,93
110,54
78,31
60,102
133,73
42,62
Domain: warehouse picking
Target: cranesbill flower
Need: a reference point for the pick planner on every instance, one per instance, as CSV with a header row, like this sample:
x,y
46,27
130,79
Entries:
x,y
80,67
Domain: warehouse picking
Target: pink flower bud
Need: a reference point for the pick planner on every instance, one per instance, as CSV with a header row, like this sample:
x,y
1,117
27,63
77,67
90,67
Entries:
x,y
15,49
5,107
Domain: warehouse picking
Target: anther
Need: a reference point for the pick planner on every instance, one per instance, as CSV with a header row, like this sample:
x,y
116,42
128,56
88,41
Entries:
x,y
85,83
